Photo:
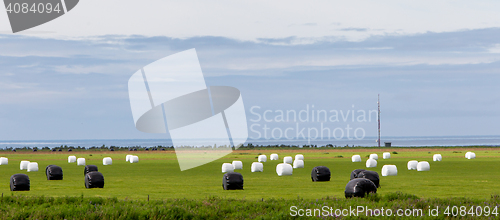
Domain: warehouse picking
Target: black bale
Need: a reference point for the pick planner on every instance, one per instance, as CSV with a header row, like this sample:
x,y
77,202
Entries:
x,y
232,180
94,179
19,182
112,149
359,187
69,150
371,175
59,149
89,168
354,173
54,172
320,173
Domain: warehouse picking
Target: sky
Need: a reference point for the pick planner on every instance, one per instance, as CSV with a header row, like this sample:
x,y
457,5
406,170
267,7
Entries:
x,y
435,65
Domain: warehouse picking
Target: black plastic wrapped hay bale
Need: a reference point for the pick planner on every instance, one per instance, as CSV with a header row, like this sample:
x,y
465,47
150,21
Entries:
x,y
89,168
320,173
69,150
19,182
94,179
54,172
232,180
354,173
371,175
359,187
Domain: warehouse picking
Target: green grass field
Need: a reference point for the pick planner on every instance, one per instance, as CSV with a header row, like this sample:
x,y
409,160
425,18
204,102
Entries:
x,y
157,174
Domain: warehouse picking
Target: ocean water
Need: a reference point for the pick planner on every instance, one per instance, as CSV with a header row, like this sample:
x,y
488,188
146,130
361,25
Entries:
x,y
367,142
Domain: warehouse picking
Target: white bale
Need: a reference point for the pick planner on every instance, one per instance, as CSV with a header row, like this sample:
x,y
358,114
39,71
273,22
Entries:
x,y
107,161
386,155
284,169
238,165
227,167
274,157
389,170
299,157
467,154
262,158
374,156
4,161
412,165
80,162
423,166
371,163
471,155
257,167
32,167
287,160
437,157
298,164
71,159
356,158
127,158
24,164
134,159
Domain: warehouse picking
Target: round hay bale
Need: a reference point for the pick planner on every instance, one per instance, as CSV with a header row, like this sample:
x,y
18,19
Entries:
x,y
232,181
274,157
470,155
80,162
32,167
371,163
24,165
412,165
262,158
54,172
19,182
374,156
299,157
238,165
257,167
134,159
227,167
71,159
386,155
389,170
288,160
298,164
423,166
320,174
356,158
284,169
371,175
354,173
437,157
94,179
127,158
4,161
359,187
107,161
89,168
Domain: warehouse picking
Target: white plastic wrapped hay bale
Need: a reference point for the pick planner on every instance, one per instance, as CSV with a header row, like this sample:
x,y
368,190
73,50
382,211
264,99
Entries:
x,y
374,156
288,159
284,169
227,167
107,161
134,159
386,155
299,157
24,165
32,167
437,157
71,159
4,161
257,167
80,162
238,165
127,158
371,163
412,165
467,154
298,164
274,157
470,155
423,166
389,170
262,158
356,158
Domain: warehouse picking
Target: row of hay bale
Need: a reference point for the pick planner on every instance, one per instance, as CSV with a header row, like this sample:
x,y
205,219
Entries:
x,y
281,169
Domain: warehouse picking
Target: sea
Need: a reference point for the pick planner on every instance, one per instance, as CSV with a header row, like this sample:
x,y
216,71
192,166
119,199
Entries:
x,y
365,142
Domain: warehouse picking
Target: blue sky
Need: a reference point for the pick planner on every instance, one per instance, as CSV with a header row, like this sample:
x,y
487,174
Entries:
x,y
431,84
